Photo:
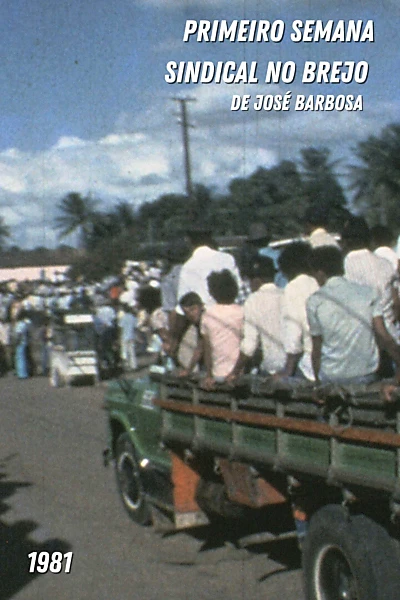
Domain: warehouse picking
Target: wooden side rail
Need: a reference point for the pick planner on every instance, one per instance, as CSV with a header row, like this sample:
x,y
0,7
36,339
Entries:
x,y
353,434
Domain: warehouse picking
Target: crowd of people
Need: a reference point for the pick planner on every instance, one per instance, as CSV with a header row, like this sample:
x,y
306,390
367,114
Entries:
x,y
120,308
324,308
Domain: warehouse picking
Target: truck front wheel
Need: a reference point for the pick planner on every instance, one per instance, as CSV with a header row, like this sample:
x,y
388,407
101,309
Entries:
x,y
130,483
349,558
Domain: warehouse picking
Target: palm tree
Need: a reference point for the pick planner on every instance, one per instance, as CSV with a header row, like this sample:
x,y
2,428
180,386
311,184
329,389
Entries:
x,y
376,179
125,216
76,214
116,223
321,185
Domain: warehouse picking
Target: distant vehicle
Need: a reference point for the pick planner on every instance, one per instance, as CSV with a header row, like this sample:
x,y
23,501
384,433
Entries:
x,y
73,354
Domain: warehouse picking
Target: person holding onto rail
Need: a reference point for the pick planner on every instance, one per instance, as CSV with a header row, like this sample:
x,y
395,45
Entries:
x,y
346,324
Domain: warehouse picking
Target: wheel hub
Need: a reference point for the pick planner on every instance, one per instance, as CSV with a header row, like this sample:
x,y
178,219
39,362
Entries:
x,y
129,481
334,578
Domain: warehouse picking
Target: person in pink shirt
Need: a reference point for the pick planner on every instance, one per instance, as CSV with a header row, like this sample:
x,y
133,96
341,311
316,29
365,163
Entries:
x,y
221,328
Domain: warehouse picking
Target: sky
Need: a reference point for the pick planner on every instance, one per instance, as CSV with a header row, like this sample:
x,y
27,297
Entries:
x,y
85,107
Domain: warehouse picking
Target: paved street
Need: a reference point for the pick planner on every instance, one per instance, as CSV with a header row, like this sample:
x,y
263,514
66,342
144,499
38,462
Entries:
x,y
56,496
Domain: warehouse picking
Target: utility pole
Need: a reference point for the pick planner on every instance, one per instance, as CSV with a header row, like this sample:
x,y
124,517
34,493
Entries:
x,y
185,127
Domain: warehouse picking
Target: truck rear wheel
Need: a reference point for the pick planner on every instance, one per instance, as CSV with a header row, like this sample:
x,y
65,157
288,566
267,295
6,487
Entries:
x,y
130,483
349,558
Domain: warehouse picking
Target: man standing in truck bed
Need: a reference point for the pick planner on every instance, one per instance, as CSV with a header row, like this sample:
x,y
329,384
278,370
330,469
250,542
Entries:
x,y
194,273
364,267
204,260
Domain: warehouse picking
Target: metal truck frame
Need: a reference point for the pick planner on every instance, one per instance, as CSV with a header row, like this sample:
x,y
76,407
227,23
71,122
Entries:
x,y
329,455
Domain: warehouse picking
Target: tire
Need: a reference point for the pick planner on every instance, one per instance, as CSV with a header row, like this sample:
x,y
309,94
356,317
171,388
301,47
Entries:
x,y
130,482
349,558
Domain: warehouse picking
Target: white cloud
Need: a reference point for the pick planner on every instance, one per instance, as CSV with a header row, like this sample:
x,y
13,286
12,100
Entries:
x,y
143,157
10,215
10,180
69,142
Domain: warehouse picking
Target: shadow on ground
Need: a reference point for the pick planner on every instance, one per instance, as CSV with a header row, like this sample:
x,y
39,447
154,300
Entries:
x,y
15,543
223,541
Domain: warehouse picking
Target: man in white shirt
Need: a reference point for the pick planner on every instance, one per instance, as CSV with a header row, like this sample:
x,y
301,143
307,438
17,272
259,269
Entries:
x,y
204,260
193,277
382,245
294,263
364,267
262,320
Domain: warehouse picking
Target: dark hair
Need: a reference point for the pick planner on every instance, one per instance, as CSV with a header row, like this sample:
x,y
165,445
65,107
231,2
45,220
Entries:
x,y
262,267
200,237
22,314
222,286
176,253
294,259
149,298
190,299
356,233
327,259
381,236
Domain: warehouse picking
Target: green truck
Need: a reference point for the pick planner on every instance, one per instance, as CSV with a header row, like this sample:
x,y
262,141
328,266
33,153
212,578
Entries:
x,y
329,457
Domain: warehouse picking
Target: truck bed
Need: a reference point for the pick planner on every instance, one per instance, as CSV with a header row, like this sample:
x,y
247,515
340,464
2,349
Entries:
x,y
346,435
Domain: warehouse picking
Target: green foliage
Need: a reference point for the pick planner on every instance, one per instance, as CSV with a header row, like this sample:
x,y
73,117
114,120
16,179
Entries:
x,y
272,196
106,237
107,259
76,214
276,196
321,186
165,218
375,179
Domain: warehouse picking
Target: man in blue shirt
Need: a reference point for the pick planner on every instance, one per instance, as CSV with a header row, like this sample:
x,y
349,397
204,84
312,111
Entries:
x,y
345,321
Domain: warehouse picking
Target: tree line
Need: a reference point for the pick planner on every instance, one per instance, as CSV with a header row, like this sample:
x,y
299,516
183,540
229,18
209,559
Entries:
x,y
277,196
